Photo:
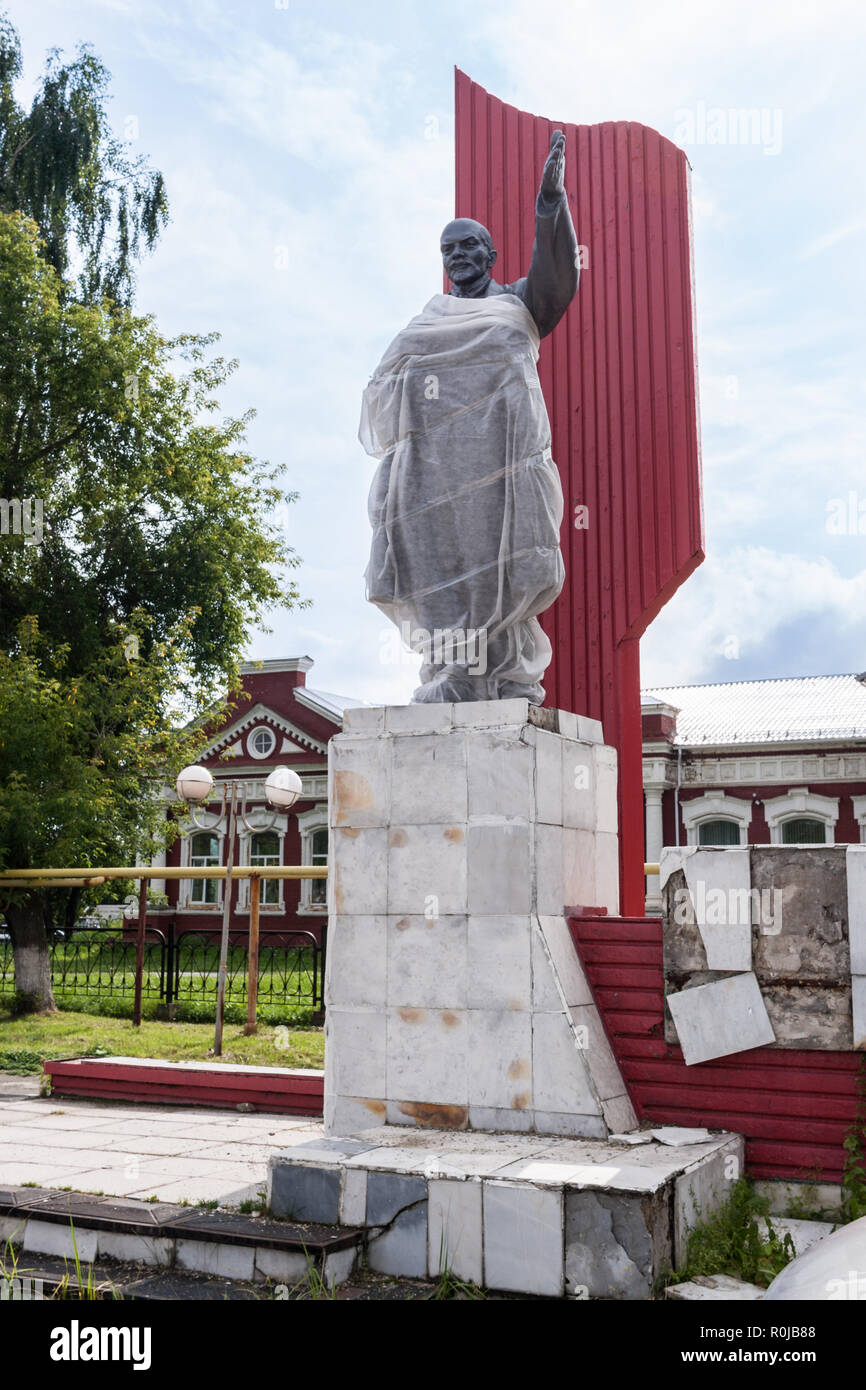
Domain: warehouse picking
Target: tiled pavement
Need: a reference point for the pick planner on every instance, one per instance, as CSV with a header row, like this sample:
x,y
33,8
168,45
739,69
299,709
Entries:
x,y
121,1149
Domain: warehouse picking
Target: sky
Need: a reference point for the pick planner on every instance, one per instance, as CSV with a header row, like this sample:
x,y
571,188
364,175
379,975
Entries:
x,y
308,153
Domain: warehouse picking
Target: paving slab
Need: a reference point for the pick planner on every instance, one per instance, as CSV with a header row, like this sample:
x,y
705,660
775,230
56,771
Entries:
x,y
45,1174
23,1155
711,1288
14,1086
228,1191
180,1154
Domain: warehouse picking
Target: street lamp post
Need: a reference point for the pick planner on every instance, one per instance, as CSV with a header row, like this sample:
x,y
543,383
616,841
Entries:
x,y
282,789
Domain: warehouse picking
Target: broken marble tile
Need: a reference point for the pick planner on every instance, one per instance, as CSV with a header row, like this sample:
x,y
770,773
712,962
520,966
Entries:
x,y
721,1019
672,1135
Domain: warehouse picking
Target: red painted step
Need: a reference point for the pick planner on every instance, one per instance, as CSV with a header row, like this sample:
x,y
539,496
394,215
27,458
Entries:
x,y
280,1090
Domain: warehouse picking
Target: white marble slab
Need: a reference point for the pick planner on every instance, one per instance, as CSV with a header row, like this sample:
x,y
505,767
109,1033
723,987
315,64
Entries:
x,y
855,863
721,1019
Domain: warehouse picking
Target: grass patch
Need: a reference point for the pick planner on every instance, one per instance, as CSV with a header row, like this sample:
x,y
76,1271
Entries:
x,y
36,1038
20,1061
736,1241
186,1011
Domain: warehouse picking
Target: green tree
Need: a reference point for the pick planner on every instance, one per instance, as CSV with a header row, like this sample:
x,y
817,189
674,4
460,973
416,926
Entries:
x,y
148,503
83,760
61,164
149,535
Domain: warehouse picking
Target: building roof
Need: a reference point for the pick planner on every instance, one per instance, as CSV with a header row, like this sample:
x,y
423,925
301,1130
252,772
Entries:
x,y
326,700
789,709
284,663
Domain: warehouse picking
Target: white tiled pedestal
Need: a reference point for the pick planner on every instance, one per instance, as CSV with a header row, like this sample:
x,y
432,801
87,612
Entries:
x,y
520,1213
455,997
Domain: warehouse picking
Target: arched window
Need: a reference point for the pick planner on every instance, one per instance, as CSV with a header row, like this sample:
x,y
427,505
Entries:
x,y
703,815
718,832
319,855
803,830
204,854
801,817
265,851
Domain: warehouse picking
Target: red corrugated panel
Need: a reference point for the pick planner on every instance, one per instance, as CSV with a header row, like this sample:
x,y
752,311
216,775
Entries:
x,y
619,379
793,1107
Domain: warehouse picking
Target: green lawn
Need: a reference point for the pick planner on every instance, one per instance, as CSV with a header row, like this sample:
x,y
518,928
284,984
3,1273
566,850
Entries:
x,y
25,1043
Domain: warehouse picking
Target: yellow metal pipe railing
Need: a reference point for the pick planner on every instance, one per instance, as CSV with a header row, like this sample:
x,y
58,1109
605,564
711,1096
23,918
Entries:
x,y
11,878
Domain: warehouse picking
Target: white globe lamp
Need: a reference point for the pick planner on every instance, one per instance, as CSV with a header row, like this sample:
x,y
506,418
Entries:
x,y
194,783
283,787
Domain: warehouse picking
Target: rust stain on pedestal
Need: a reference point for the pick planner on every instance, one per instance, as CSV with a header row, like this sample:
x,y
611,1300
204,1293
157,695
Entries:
x,y
352,792
435,1116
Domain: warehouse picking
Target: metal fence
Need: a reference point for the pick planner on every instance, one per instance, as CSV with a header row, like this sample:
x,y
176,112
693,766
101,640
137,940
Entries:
x,y
180,967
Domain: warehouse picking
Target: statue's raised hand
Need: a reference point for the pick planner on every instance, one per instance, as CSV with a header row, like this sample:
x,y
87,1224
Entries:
x,y
553,177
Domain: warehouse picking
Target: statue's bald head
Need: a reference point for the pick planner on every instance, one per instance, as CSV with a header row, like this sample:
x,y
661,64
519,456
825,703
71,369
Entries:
x,y
468,253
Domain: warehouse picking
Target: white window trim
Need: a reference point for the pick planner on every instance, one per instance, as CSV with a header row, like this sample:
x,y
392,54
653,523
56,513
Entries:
x,y
308,823
253,751
715,806
799,802
859,804
216,826
260,819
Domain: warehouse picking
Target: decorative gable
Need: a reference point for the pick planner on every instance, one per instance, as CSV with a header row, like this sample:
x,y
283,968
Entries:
x,y
232,739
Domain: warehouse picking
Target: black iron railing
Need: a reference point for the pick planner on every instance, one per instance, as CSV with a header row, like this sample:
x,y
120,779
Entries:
x,y
179,966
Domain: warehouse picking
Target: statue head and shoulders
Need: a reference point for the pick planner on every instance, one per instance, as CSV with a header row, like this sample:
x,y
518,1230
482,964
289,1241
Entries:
x,y
469,255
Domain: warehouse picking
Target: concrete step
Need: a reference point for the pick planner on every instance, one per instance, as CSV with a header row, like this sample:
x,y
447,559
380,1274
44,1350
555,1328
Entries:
x,y
223,1244
518,1213
715,1287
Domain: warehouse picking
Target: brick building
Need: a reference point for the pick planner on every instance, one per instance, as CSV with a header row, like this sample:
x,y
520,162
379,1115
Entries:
x,y
754,762
279,720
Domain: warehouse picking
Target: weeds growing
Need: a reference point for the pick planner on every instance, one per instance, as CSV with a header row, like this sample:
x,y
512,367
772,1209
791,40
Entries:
x,y
739,1239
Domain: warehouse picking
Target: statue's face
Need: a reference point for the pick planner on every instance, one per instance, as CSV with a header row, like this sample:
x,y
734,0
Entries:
x,y
466,254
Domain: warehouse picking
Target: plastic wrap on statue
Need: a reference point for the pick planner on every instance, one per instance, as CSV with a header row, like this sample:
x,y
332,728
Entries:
x,y
466,504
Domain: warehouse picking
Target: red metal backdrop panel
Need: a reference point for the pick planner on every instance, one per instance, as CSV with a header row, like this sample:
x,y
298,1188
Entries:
x,y
619,378
793,1106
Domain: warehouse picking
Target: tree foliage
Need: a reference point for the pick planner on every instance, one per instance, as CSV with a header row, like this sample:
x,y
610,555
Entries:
x,y
84,758
150,502
150,548
61,164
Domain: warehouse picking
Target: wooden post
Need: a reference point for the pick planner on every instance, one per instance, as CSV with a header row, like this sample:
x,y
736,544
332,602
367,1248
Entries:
x,y
253,961
139,952
227,912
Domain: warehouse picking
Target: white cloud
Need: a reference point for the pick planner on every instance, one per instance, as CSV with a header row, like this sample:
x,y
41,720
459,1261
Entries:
x,y
823,243
747,595
631,61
